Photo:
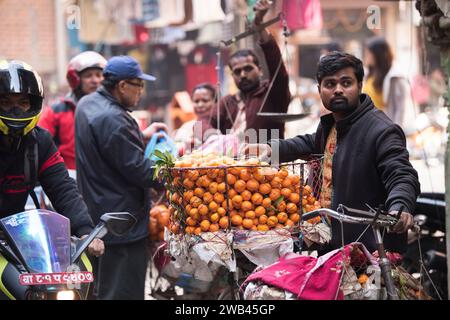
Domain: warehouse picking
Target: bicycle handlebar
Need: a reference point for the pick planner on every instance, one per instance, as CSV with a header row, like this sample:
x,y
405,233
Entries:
x,y
380,220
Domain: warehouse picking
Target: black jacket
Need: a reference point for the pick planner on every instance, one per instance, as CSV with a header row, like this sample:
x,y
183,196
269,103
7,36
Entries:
x,y
112,173
370,165
53,177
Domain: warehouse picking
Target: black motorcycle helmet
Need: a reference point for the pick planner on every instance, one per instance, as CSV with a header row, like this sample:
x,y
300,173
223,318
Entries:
x,y
19,77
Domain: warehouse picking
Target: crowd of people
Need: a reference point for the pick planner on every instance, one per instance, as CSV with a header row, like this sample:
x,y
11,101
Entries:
x,y
91,131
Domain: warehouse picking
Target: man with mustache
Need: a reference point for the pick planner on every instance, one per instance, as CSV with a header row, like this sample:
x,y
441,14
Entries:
x,y
238,111
365,155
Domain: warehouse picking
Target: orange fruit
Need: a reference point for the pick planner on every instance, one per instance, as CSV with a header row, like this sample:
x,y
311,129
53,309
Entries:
x,y
259,176
191,222
214,217
219,198
199,192
195,201
283,173
291,208
221,211
246,206
289,223
232,193
255,221
257,199
271,213
236,220
222,187
240,186
204,225
295,179
227,205
192,174
188,184
189,230
187,195
245,175
287,182
206,182
274,194
281,206
294,198
267,202
175,198
252,185
193,212
276,183
295,217
262,219
203,209
250,214
231,179
188,208
237,200
213,187
262,227
213,206
282,217
307,190
234,171
214,227
247,223
272,221
246,195
175,228
198,231
224,222
265,188
207,198
304,201
311,200
286,193
259,211
254,228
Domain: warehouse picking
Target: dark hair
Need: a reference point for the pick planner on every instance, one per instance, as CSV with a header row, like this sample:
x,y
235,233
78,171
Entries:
x,y
208,87
244,53
334,61
109,81
383,56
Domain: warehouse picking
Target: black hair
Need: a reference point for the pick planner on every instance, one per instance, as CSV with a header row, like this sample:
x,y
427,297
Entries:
x,y
383,57
110,81
208,87
334,61
244,53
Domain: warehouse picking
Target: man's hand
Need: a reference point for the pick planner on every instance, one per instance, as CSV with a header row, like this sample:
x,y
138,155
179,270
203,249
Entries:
x,y
96,247
262,151
405,222
261,8
153,128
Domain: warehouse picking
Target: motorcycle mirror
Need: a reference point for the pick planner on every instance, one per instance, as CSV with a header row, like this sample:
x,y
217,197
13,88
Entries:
x,y
118,223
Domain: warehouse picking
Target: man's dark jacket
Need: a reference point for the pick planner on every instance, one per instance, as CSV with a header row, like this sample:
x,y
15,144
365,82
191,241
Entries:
x,y
51,174
370,165
112,173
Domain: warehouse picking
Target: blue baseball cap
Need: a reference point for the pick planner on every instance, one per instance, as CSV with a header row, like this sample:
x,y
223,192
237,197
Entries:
x,y
126,67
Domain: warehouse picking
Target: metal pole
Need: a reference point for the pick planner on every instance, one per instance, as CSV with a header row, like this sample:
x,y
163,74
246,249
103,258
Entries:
x,y
385,266
445,61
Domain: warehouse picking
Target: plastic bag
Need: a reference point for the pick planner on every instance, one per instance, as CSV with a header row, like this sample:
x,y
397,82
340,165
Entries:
x,y
161,142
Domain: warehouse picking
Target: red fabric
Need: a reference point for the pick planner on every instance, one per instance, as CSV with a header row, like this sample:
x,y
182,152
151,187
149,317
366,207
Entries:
x,y
200,73
11,180
54,159
308,277
303,14
62,116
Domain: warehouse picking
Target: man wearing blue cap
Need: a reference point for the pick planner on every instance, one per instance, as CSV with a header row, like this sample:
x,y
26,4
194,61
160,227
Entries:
x,y
113,174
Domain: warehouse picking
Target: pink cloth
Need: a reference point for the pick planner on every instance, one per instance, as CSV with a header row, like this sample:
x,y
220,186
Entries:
x,y
303,14
308,277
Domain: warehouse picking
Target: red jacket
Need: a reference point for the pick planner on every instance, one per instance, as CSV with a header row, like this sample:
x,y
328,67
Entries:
x,y
59,120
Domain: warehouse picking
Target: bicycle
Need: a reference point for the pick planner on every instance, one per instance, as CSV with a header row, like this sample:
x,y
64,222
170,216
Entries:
x,y
377,219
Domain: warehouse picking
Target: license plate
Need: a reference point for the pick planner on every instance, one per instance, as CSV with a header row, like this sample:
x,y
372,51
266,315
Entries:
x,y
34,279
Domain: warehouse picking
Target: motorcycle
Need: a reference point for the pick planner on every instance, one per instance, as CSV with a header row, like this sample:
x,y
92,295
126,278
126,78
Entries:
x,y
426,256
39,260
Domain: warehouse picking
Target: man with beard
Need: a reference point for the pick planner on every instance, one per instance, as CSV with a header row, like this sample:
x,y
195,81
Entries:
x,y
238,112
365,156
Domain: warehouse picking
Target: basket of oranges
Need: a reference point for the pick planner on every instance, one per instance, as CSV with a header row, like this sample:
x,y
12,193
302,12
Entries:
x,y
210,193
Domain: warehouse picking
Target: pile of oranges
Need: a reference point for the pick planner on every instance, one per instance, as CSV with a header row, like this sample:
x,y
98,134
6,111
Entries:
x,y
160,218
259,197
